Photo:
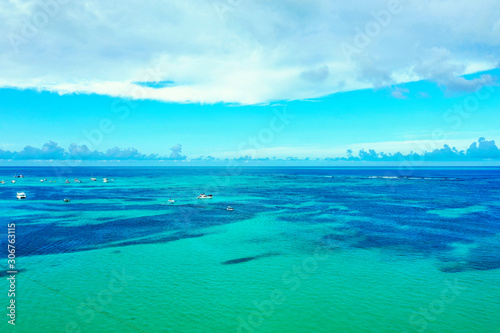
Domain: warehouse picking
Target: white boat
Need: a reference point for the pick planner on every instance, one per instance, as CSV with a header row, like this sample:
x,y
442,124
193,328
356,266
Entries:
x,y
170,201
230,208
93,179
105,180
21,195
66,200
2,182
13,181
204,196
77,181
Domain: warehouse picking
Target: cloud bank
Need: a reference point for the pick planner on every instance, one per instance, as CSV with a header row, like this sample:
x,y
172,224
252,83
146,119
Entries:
x,y
482,150
477,151
244,51
52,151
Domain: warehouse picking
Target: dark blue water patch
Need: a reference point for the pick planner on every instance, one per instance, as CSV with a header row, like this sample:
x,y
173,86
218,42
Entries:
x,y
472,226
54,238
104,218
410,242
158,239
311,217
415,216
34,218
247,259
421,244
343,238
483,257
453,268
51,238
421,229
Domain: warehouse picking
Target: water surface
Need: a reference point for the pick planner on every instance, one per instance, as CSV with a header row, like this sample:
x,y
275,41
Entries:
x,y
305,250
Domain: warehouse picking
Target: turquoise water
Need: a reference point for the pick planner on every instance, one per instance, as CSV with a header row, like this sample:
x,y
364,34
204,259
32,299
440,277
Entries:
x,y
305,250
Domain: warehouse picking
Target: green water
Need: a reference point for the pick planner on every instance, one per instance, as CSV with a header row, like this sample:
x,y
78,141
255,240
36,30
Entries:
x,y
181,287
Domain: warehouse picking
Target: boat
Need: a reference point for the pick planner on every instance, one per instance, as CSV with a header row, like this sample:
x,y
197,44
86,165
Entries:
x,y
67,181
2,182
13,181
93,179
230,208
66,200
21,195
170,201
204,196
77,181
105,180
20,176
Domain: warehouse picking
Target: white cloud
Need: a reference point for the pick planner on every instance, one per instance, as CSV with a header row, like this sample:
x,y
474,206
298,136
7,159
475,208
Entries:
x,y
416,146
248,52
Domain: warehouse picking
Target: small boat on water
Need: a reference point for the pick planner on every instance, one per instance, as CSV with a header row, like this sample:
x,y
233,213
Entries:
x,y
170,201
13,181
93,179
105,180
66,200
20,176
67,181
77,181
2,182
230,208
204,196
21,195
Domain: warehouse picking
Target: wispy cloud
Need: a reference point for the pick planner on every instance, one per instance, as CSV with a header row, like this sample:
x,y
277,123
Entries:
x,y
400,93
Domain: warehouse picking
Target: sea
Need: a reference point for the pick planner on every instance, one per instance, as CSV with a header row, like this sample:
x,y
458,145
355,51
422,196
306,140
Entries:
x,y
304,250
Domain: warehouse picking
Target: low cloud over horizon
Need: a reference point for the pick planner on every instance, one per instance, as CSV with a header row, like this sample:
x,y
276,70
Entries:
x,y
52,151
477,151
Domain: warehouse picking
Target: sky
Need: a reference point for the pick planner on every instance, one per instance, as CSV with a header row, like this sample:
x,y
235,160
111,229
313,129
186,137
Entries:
x,y
204,81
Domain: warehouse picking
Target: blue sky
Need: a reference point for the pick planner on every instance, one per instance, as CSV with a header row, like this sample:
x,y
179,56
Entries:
x,y
232,79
